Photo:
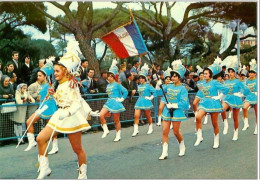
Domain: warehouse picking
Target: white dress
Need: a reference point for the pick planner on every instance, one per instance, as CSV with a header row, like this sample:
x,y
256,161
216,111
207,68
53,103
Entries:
x,y
69,99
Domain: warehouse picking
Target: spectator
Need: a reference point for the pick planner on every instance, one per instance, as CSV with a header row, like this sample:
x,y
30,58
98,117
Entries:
x,y
222,73
122,75
9,69
102,82
195,79
82,69
128,68
26,69
21,97
136,81
135,69
129,85
13,81
6,89
33,77
1,73
17,66
92,85
189,68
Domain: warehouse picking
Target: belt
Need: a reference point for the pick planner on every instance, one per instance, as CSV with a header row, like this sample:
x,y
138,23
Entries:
x,y
63,107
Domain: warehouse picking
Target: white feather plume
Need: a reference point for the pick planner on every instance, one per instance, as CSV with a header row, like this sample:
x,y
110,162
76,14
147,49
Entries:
x,y
177,62
114,62
217,60
253,61
199,68
145,67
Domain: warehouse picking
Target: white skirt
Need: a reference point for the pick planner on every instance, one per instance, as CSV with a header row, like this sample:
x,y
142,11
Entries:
x,y
71,124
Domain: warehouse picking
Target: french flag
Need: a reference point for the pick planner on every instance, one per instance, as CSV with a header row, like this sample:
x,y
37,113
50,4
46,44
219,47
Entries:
x,y
126,41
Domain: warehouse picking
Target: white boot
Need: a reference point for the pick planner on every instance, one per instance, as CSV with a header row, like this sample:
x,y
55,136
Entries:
x,y
240,110
216,141
135,130
171,126
182,148
199,137
164,152
44,167
106,131
225,127
230,114
150,130
83,172
32,142
159,121
118,136
255,132
206,120
55,148
195,114
235,136
246,125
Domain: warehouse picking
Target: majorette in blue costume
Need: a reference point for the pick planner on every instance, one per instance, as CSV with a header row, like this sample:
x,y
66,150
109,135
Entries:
x,y
167,81
144,102
116,95
251,98
174,111
234,97
210,103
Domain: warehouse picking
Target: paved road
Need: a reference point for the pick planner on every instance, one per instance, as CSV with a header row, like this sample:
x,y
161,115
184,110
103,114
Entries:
x,y
137,158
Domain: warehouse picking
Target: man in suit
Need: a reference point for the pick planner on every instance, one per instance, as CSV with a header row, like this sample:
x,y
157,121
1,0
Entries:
x,y
26,69
102,82
82,69
129,85
92,85
17,66
33,77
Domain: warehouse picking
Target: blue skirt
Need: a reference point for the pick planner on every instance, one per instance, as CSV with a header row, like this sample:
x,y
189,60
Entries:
x,y
52,107
143,104
163,100
113,106
251,98
178,115
199,95
233,101
210,105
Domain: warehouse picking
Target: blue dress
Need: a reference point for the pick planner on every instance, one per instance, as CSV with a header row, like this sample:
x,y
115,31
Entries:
x,y
210,89
145,90
176,94
235,86
115,90
251,97
199,85
50,102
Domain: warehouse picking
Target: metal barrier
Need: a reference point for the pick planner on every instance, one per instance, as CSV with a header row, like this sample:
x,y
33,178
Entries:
x,y
95,101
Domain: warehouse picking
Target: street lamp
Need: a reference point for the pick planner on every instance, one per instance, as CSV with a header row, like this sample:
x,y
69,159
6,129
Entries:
x,y
233,24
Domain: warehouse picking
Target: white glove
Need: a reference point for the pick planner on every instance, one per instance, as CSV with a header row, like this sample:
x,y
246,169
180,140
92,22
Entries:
x,y
255,93
172,105
239,94
216,97
41,110
95,113
120,100
64,114
149,97
158,84
221,96
169,105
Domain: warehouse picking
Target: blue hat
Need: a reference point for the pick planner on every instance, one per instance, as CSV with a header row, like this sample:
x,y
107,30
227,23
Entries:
x,y
216,68
144,71
113,69
233,64
167,73
253,65
47,69
178,67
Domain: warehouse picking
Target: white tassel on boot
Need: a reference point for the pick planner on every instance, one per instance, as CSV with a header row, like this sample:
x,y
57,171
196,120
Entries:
x,y
182,148
83,172
159,121
55,148
150,130
235,136
199,137
230,114
32,142
225,131
216,141
44,167
164,151
135,130
106,131
205,120
118,136
255,132
246,124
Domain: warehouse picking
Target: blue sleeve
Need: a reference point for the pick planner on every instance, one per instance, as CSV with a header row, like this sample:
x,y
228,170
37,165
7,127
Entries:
x,y
184,101
123,91
243,89
153,91
223,89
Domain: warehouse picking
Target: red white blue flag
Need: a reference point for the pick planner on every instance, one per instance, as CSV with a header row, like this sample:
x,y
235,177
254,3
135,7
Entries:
x,y
126,40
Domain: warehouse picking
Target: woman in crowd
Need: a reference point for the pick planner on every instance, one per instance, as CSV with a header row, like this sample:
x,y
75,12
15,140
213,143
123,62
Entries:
x,y
69,117
116,95
251,98
174,112
9,69
144,102
210,103
234,97
21,97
